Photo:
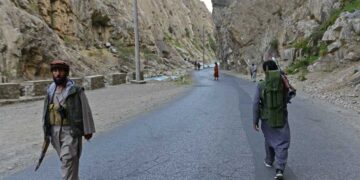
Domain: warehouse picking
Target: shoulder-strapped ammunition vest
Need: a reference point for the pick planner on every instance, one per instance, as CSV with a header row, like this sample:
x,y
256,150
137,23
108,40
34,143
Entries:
x,y
272,99
73,111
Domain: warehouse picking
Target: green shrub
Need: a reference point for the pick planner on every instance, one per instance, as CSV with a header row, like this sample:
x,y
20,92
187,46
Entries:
x,y
351,5
330,21
67,40
97,19
171,41
347,5
317,35
301,65
323,49
197,43
146,50
150,55
184,80
177,43
302,77
96,53
303,44
125,51
274,44
34,6
167,38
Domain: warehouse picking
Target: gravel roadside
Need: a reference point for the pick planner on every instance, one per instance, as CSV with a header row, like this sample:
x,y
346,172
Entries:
x,y
21,132
312,89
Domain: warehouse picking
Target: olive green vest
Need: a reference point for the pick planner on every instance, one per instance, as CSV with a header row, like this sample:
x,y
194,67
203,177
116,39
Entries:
x,y
272,98
73,112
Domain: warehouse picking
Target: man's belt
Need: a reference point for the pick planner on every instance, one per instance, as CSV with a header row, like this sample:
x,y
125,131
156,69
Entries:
x,y
58,123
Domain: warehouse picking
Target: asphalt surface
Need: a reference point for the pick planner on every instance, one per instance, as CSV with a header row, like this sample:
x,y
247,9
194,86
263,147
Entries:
x,y
207,134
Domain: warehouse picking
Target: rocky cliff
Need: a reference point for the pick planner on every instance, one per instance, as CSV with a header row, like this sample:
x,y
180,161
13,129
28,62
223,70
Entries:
x,y
253,30
316,40
96,36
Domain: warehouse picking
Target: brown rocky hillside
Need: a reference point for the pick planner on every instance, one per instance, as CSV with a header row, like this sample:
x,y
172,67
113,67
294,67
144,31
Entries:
x,y
316,42
97,37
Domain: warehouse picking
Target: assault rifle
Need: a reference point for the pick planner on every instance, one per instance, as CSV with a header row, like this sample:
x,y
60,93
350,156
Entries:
x,y
292,90
43,151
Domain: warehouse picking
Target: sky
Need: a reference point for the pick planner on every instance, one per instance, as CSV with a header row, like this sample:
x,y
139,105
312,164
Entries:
x,y
208,4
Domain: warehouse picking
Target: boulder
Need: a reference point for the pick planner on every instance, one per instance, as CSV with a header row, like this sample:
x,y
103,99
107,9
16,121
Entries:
x,y
307,27
357,88
346,33
345,28
356,26
355,79
324,64
352,56
330,36
321,9
334,46
289,54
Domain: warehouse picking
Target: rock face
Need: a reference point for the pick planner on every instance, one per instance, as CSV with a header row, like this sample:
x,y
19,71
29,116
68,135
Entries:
x,y
254,30
97,37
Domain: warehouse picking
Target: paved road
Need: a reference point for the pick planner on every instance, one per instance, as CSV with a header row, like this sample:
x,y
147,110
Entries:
x,y
207,134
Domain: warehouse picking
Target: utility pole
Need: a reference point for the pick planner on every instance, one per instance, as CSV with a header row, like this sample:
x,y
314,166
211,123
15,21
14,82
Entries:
x,y
137,52
203,42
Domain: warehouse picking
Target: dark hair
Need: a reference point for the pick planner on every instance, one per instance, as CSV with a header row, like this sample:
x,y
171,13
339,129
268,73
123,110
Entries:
x,y
269,65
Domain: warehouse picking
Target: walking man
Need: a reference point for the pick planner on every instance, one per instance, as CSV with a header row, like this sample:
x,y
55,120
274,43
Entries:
x,y
66,119
270,106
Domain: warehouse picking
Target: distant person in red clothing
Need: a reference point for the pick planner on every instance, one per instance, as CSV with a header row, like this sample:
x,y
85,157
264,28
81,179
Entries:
x,y
216,72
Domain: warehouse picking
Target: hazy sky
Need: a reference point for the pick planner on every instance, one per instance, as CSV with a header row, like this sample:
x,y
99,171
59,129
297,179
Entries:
x,y
208,4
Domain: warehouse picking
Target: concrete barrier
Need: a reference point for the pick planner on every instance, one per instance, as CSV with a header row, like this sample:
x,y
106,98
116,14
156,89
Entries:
x,y
94,82
35,88
78,81
116,78
9,91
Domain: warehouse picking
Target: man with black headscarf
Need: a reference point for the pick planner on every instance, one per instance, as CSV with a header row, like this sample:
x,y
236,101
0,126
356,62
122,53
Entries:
x,y
67,118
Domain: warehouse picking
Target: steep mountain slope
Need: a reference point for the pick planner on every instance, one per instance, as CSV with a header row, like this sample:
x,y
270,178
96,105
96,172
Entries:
x,y
317,40
96,36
